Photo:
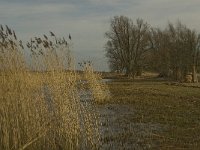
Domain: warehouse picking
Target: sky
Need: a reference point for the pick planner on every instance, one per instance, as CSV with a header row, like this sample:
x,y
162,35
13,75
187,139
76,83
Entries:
x,y
88,20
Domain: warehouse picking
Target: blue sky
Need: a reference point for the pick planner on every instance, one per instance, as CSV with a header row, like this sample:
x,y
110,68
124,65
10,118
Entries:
x,y
88,20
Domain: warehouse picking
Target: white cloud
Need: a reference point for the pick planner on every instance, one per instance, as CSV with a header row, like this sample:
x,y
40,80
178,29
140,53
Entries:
x,y
106,2
20,10
88,20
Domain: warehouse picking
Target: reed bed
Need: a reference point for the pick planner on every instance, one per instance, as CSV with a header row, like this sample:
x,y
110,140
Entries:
x,y
40,106
99,90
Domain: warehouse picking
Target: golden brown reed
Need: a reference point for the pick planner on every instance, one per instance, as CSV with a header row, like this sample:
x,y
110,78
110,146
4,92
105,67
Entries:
x,y
40,106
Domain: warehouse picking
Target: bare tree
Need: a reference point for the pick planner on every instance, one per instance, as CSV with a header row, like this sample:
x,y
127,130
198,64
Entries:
x,y
127,44
160,59
176,51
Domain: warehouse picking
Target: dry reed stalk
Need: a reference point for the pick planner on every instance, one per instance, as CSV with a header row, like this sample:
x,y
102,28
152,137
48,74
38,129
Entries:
x,y
99,89
42,109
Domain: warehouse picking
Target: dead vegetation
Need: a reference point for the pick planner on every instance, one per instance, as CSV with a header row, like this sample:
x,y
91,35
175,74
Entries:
x,y
46,104
40,106
153,114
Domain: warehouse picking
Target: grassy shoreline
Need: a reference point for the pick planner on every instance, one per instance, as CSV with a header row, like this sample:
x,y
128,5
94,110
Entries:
x,y
175,107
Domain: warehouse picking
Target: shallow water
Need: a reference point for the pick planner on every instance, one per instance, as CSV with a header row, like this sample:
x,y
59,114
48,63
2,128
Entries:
x,y
119,132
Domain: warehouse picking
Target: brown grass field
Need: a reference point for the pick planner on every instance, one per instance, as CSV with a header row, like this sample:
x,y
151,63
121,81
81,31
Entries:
x,y
152,113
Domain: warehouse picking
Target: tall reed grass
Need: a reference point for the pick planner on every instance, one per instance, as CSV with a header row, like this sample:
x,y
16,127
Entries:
x,y
40,106
99,89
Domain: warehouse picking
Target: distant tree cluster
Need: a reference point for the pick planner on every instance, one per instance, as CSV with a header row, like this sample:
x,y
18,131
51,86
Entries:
x,y
132,47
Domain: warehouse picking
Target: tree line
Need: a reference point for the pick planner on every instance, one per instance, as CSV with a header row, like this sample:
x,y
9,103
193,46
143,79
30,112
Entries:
x,y
136,46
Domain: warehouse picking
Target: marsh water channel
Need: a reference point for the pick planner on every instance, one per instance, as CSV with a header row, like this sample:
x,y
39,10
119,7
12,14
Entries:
x,y
117,130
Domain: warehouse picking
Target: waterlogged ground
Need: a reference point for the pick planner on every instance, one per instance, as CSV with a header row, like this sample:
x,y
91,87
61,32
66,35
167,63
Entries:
x,y
151,114
117,128
148,114
119,131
